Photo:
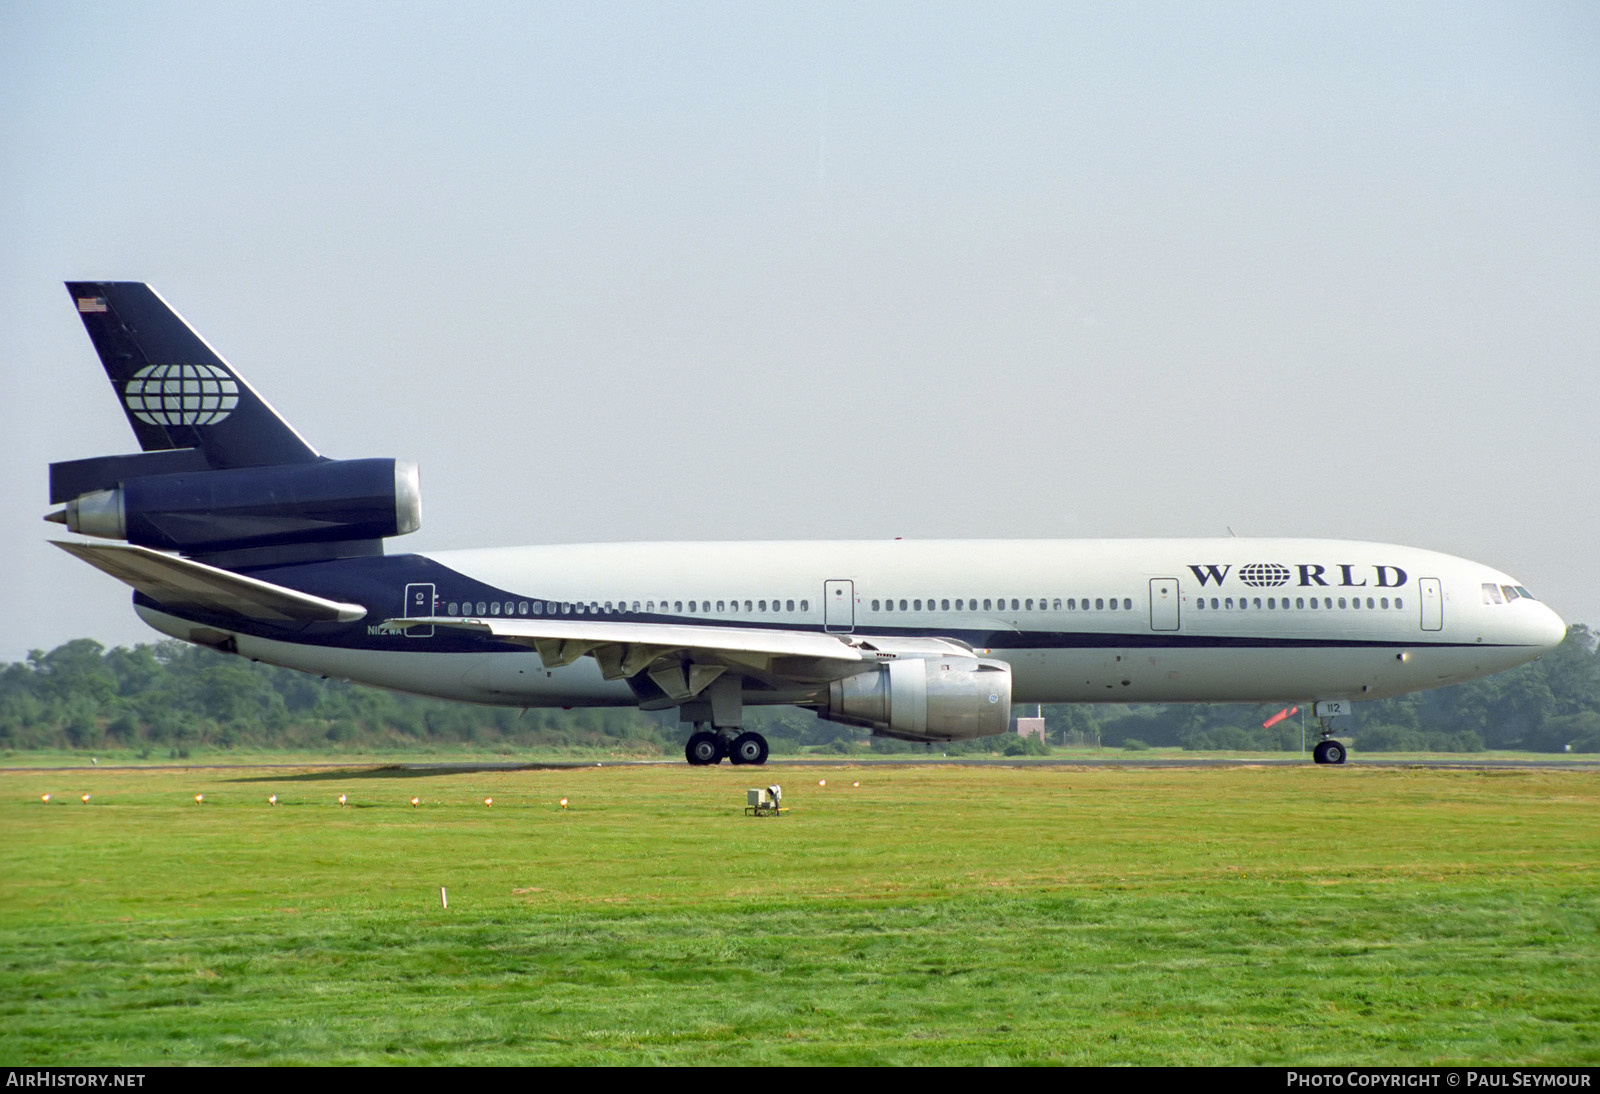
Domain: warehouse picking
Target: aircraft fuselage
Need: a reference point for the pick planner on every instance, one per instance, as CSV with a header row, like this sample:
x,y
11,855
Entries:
x,y
1220,620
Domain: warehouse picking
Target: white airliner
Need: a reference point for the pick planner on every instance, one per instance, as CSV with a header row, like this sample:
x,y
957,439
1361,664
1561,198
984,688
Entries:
x,y
241,537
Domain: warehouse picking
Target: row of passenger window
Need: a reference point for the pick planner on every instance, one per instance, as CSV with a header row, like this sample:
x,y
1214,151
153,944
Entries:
x,y
1045,604
1300,603
1070,604
596,607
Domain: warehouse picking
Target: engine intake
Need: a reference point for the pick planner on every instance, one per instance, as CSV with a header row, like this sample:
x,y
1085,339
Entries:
x,y
246,507
931,699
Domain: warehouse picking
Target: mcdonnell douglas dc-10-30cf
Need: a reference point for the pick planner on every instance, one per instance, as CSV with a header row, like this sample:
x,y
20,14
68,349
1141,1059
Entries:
x,y
240,536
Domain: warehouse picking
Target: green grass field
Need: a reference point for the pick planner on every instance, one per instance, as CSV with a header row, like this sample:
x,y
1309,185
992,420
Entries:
x,y
930,915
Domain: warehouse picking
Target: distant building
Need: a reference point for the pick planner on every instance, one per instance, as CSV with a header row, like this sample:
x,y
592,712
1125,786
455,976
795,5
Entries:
x,y
1030,727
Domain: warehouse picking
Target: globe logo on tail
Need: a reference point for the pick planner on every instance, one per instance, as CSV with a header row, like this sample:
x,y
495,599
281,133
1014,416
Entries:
x,y
181,394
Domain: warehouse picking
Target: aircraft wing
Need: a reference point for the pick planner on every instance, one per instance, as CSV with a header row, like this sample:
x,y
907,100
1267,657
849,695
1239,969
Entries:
x,y
184,583
569,634
683,658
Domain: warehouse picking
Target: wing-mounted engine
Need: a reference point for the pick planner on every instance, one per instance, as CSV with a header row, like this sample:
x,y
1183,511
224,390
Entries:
x,y
925,699
205,512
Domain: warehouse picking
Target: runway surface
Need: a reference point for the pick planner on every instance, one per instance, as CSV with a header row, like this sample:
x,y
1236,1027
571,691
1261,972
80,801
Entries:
x,y
780,763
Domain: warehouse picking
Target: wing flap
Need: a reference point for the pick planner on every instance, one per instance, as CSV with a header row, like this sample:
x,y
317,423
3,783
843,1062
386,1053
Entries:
x,y
184,583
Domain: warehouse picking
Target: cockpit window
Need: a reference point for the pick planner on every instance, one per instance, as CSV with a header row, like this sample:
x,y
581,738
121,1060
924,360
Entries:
x,y
1491,594
1524,592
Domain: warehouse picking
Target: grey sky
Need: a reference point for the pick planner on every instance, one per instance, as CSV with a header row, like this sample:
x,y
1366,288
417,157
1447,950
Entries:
x,y
830,271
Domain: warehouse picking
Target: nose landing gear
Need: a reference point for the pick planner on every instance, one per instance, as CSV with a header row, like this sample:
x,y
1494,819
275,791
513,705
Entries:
x,y
1329,752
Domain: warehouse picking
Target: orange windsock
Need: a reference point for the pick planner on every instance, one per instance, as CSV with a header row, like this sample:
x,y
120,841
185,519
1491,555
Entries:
x,y
1280,716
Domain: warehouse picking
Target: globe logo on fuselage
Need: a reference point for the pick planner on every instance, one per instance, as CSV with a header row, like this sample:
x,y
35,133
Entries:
x,y
1264,575
181,394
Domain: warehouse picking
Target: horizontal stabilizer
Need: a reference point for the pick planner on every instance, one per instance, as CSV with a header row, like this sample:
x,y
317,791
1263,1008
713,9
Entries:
x,y
183,583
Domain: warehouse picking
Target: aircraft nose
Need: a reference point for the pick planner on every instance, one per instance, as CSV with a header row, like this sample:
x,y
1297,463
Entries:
x,y
1550,629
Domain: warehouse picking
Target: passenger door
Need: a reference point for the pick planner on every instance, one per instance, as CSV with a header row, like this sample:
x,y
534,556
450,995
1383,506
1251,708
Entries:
x,y
1432,595
839,606
1163,603
419,603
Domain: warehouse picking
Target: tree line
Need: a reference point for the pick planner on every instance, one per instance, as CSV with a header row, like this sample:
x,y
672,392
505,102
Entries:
x,y
168,698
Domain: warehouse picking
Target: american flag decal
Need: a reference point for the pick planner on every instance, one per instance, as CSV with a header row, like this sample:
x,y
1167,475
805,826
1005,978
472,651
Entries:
x,y
91,303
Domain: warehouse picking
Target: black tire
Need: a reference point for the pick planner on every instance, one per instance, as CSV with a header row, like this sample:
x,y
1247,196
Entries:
x,y
1334,753
1319,754
703,749
749,748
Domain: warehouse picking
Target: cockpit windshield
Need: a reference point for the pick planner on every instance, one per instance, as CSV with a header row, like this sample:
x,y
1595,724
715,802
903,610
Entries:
x,y
1503,594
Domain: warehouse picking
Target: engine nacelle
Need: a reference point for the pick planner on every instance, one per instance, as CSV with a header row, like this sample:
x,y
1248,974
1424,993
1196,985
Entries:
x,y
245,507
931,699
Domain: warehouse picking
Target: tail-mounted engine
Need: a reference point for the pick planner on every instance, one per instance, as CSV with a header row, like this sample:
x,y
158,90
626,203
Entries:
x,y
208,511
931,699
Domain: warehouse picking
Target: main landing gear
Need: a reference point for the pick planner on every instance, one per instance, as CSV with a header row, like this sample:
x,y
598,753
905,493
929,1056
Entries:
x,y
706,747
716,717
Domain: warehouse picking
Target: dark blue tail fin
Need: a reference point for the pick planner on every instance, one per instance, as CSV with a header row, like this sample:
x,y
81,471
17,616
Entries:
x,y
222,477
177,391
